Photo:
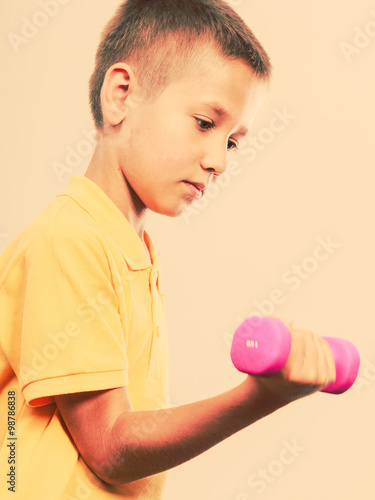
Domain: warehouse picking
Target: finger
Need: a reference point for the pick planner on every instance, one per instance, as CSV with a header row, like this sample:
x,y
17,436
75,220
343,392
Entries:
x,y
322,362
330,360
296,363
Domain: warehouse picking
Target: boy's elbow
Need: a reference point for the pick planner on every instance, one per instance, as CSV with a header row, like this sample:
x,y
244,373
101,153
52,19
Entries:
x,y
117,465
108,468
105,471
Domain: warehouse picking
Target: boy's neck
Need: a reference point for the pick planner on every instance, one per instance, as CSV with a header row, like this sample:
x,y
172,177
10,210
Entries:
x,y
110,179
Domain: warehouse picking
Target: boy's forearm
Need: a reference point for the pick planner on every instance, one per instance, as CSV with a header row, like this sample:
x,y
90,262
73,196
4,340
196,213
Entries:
x,y
141,444
122,446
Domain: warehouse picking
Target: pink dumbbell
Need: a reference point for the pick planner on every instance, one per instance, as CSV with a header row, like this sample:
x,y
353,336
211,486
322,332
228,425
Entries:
x,y
261,346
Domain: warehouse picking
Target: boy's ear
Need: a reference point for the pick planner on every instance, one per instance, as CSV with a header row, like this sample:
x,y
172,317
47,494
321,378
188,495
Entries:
x,y
119,83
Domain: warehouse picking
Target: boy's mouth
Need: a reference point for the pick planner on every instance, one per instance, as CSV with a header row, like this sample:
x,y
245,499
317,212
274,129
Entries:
x,y
198,185
196,189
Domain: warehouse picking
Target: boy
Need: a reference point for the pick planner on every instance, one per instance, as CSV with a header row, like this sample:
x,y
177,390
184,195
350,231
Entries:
x,y
83,346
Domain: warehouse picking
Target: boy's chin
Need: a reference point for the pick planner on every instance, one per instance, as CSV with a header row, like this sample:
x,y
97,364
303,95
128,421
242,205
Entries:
x,y
171,210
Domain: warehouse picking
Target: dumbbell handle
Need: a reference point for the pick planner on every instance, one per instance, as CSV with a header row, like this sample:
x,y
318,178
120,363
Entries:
x,y
261,346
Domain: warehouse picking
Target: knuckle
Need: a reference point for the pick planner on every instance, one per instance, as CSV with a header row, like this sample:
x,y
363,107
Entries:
x,y
309,339
313,375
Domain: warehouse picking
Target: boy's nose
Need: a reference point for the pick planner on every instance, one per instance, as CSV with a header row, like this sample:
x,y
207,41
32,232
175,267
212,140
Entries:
x,y
215,161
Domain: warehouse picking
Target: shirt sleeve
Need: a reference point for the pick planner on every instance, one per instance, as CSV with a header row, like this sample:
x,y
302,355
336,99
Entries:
x,y
72,336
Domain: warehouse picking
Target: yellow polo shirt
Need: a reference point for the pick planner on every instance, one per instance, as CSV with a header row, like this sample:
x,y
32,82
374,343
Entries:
x,y
81,310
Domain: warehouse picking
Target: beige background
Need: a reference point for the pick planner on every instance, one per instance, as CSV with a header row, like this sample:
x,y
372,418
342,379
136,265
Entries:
x,y
314,179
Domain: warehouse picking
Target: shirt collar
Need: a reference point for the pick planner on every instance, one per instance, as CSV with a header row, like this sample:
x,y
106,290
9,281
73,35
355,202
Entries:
x,y
110,219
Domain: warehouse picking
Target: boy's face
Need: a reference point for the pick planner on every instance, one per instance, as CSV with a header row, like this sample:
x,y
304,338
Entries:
x,y
184,136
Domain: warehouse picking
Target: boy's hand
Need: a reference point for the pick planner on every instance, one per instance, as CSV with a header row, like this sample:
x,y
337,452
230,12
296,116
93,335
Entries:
x,y
310,367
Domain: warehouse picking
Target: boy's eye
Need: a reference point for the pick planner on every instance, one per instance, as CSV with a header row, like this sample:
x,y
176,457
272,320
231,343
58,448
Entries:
x,y
232,145
204,125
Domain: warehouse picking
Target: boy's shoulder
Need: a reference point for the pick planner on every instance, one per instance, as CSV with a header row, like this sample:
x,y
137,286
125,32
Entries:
x,y
66,216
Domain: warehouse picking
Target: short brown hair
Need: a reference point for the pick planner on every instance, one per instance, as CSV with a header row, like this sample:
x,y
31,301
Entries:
x,y
160,36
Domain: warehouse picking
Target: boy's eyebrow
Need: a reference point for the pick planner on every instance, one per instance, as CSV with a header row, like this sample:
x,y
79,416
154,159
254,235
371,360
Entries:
x,y
220,111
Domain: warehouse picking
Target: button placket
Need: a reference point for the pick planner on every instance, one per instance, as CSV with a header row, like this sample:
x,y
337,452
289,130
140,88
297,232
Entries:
x,y
154,372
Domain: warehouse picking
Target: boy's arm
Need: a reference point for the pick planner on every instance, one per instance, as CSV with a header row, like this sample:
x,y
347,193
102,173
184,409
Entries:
x,y
121,445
